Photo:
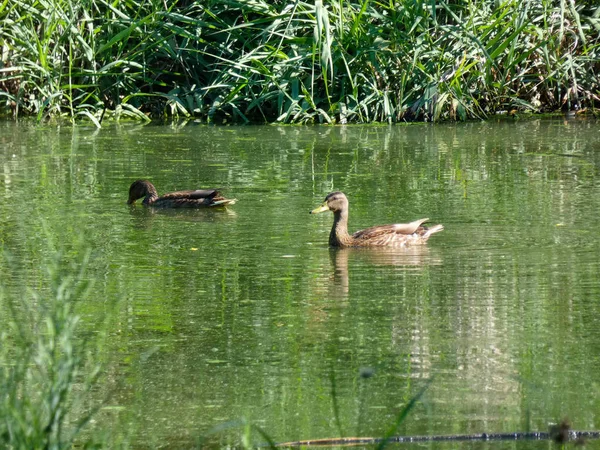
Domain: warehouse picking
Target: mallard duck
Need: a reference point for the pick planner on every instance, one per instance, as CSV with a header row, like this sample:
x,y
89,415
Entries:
x,y
199,198
394,235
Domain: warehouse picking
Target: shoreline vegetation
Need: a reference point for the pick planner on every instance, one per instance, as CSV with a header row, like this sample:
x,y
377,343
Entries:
x,y
297,62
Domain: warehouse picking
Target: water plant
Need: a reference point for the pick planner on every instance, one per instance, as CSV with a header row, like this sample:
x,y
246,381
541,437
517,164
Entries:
x,y
46,371
295,61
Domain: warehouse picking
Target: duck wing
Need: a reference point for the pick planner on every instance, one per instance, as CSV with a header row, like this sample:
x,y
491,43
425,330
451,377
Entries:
x,y
198,198
192,194
379,231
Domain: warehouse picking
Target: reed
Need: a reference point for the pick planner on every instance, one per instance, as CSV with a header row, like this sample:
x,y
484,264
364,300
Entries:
x,y
295,62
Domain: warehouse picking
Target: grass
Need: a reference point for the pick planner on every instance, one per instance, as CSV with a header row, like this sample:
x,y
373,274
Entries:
x,y
250,431
46,373
296,62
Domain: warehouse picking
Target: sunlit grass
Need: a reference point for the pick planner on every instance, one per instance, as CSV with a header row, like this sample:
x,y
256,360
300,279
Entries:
x,y
339,61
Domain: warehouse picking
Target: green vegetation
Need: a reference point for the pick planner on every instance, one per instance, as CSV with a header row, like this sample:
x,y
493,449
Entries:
x,y
45,373
339,61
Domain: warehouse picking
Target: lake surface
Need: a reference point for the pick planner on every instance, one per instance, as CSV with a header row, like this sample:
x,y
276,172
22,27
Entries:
x,y
216,316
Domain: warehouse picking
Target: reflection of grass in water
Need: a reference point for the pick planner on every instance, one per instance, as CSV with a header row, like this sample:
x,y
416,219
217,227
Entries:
x,y
46,373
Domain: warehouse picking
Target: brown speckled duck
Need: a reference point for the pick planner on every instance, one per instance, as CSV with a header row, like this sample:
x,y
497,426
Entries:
x,y
394,235
200,198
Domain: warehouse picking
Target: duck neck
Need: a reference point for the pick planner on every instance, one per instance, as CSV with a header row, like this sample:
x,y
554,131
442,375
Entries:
x,y
151,194
339,236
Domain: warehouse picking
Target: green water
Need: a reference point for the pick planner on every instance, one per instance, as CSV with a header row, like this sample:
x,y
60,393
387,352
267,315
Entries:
x,y
245,313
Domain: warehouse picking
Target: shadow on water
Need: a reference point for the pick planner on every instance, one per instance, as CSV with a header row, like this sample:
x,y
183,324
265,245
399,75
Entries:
x,y
144,216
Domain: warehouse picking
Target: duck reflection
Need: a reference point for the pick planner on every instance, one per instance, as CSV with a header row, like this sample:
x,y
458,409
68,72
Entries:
x,y
143,218
415,257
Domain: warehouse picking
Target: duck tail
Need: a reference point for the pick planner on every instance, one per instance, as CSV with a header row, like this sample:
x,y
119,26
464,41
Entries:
x,y
224,202
434,229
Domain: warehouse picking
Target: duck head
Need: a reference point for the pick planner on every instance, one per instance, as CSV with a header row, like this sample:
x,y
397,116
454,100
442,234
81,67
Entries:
x,y
335,202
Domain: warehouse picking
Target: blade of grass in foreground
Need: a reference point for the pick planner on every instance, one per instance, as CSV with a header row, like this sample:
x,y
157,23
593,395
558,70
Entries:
x,y
55,374
402,415
246,437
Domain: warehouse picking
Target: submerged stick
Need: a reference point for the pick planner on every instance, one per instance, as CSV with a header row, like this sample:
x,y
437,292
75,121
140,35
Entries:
x,y
572,435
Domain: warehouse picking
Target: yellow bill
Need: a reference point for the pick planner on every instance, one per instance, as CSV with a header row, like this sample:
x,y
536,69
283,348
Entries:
x,y
320,209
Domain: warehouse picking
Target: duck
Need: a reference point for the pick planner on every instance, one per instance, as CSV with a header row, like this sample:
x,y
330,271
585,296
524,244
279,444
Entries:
x,y
200,198
394,235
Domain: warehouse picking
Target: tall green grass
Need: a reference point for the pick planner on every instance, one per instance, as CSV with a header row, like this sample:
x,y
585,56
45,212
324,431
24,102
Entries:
x,y
46,373
294,61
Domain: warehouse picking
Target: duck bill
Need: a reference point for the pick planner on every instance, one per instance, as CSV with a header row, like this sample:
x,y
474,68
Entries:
x,y
320,209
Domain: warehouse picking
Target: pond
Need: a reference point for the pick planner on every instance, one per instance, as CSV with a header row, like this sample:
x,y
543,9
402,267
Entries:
x,y
245,313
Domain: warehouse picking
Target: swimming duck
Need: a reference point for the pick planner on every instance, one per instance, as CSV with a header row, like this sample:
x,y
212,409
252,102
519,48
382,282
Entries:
x,y
394,235
199,198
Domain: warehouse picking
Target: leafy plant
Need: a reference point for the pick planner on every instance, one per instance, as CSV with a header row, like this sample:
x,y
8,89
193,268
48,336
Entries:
x,y
296,62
